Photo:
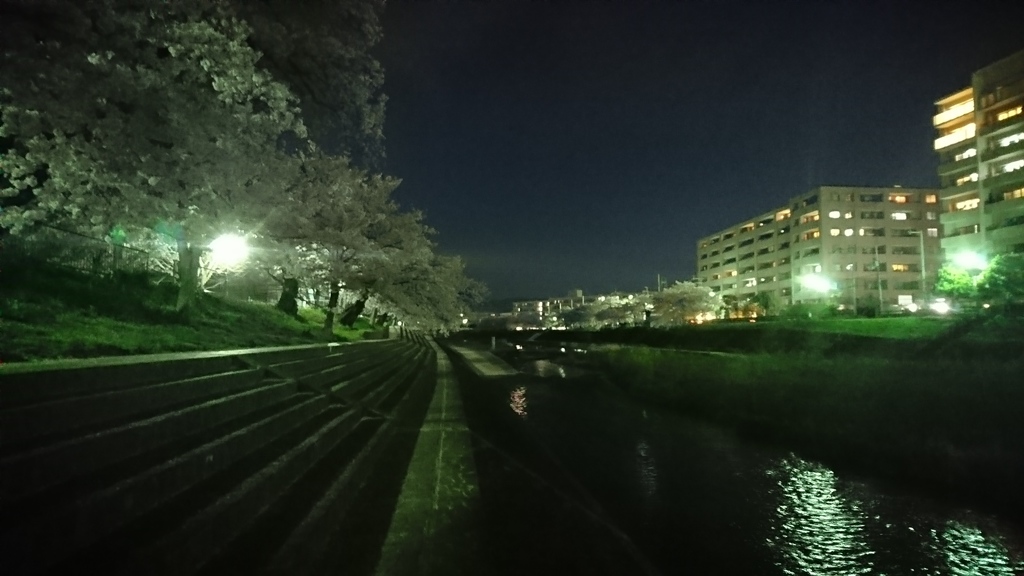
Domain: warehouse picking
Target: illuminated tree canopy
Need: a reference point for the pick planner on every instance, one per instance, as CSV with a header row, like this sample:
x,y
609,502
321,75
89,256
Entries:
x,y
163,122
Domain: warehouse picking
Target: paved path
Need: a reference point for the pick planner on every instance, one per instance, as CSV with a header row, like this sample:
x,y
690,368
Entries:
x,y
484,363
435,528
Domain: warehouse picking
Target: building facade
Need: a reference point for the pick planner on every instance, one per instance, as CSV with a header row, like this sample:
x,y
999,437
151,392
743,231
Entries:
x,y
848,245
542,310
980,144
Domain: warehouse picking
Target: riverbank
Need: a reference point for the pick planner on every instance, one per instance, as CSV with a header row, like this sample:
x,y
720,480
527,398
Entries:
x,y
50,313
944,425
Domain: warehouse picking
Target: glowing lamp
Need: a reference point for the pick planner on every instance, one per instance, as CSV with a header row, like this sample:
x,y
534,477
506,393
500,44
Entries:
x,y
969,261
228,250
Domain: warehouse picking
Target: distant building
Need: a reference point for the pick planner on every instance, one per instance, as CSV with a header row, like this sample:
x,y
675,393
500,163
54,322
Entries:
x,y
542,310
981,153
847,245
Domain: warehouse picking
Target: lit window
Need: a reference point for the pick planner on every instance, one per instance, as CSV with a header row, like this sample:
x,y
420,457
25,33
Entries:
x,y
931,215
811,217
817,268
898,199
1013,194
848,232
850,267
973,177
835,214
933,232
900,268
899,215
971,204
835,232
931,198
1009,113
847,215
1016,165
969,153
782,215
1011,140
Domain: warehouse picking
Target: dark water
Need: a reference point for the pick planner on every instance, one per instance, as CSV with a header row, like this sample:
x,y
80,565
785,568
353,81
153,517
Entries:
x,y
697,499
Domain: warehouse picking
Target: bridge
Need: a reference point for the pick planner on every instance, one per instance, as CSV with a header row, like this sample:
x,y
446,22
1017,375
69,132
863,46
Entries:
x,y
352,458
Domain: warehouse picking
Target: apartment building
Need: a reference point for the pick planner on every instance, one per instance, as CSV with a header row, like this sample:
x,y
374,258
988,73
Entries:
x,y
847,245
542,309
980,144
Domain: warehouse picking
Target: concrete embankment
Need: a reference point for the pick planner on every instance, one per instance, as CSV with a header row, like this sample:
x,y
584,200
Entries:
x,y
243,461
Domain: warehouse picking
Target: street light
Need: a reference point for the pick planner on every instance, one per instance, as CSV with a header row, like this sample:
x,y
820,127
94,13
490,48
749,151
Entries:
x,y
818,283
968,261
228,251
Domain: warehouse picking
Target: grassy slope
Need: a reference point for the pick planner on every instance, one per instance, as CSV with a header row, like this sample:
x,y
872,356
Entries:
x,y
49,313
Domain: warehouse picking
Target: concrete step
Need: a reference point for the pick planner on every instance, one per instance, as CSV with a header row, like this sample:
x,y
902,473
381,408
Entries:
x,y
357,386
38,469
309,547
59,417
36,538
182,535
20,384
168,474
304,518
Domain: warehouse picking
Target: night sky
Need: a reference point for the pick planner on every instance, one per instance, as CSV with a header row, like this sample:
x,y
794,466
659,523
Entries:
x,y
560,145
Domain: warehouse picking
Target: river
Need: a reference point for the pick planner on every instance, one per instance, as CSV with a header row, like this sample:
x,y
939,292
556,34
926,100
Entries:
x,y
696,498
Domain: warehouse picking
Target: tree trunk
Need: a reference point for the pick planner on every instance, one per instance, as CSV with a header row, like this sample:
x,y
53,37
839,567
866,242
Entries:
x,y
373,317
188,274
351,314
332,305
288,302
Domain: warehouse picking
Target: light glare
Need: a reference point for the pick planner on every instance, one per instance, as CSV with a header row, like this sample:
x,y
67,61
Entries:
x,y
228,250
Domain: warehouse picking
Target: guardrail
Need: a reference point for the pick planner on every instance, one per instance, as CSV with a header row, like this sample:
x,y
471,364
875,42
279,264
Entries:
x,y
174,464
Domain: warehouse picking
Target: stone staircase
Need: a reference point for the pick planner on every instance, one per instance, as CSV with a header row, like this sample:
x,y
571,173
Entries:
x,y
236,462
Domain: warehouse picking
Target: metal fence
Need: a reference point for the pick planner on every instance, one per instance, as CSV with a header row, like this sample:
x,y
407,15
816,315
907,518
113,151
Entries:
x,y
72,250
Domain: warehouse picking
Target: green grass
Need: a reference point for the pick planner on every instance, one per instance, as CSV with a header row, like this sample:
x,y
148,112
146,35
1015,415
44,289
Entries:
x,y
52,313
899,328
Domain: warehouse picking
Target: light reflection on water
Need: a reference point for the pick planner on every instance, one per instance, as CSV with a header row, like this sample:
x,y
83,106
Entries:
x,y
968,552
647,469
517,401
820,529
815,530
544,369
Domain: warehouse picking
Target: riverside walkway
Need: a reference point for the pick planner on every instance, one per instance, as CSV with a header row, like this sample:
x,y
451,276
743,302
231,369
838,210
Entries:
x,y
359,458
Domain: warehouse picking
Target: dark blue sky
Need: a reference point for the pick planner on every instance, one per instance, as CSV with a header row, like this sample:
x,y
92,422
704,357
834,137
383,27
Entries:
x,y
559,145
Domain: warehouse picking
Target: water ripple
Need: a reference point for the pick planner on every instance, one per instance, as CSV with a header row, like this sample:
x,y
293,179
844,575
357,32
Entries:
x,y
815,530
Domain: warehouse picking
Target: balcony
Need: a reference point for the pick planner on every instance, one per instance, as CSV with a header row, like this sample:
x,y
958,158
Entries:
x,y
957,165
1005,179
953,190
998,152
965,243
997,126
954,112
955,137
